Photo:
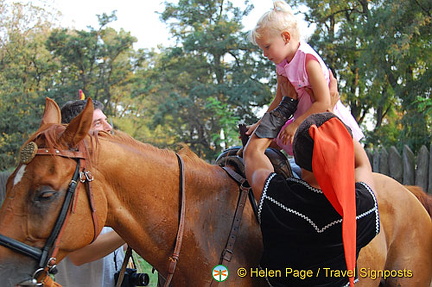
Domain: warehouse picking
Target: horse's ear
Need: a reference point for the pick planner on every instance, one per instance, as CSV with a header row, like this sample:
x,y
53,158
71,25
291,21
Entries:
x,y
79,126
52,113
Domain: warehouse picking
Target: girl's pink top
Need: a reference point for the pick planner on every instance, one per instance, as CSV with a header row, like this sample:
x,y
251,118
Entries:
x,y
296,73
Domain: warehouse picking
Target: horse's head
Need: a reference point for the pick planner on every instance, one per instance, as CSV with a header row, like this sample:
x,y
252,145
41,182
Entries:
x,y
38,218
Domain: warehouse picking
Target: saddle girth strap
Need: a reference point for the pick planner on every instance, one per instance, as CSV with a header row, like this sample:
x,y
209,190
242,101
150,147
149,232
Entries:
x,y
179,239
128,255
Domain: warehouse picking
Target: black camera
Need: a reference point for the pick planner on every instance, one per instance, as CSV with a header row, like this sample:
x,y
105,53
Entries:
x,y
131,278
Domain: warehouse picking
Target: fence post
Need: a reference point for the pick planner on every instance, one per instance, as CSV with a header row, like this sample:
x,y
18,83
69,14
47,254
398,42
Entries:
x,y
395,164
369,154
408,166
384,162
408,169
430,170
375,161
422,170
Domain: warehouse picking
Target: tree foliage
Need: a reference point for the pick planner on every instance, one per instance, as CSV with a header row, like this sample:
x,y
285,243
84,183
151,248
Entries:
x,y
199,89
25,73
381,52
212,67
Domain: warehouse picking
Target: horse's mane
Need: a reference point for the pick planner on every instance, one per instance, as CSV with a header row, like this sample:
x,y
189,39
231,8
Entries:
x,y
185,151
422,196
51,135
124,138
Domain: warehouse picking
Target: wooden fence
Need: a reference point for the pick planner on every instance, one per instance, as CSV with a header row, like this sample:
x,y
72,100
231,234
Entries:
x,y
408,169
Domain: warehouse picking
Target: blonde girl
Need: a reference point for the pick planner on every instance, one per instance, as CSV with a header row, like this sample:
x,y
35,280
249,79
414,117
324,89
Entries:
x,y
277,34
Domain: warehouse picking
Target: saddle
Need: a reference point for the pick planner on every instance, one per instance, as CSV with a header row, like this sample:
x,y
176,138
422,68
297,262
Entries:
x,y
232,157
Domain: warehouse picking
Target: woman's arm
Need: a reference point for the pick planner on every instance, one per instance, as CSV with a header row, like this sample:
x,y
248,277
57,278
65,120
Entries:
x,y
104,244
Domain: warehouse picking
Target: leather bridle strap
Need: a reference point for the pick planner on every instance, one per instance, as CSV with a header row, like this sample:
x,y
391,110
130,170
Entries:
x,y
179,239
20,247
45,263
46,255
242,181
62,217
235,227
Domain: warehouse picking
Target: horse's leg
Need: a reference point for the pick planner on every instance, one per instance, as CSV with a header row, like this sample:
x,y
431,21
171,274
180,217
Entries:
x,y
372,257
412,255
408,230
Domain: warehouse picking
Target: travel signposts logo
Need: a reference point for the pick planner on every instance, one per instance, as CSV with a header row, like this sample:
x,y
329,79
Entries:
x,y
220,273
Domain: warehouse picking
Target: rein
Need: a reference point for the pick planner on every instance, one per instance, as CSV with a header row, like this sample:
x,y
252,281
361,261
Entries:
x,y
228,251
179,238
47,255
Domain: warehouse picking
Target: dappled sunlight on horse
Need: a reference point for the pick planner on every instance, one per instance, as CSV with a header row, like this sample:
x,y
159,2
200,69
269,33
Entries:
x,y
136,191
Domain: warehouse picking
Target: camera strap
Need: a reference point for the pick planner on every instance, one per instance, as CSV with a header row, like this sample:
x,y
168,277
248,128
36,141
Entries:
x,y
128,255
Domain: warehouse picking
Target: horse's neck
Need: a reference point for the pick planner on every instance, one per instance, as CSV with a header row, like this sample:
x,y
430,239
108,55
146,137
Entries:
x,y
143,197
140,178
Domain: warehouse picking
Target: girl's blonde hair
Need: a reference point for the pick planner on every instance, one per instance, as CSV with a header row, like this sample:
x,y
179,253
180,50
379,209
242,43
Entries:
x,y
277,20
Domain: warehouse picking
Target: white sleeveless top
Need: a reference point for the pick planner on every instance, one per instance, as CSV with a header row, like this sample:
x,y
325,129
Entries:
x,y
99,273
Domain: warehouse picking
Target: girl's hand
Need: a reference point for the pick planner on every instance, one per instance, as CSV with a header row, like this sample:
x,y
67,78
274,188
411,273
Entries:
x,y
287,134
251,128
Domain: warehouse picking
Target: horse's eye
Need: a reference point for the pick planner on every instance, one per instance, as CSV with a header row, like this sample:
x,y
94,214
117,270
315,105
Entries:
x,y
45,194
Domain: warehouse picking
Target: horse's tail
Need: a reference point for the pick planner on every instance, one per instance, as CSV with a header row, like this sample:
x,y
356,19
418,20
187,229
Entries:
x,y
422,196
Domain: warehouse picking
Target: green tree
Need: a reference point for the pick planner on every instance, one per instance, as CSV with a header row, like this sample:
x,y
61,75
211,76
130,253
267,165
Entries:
x,y
97,61
404,63
212,66
38,60
381,52
26,73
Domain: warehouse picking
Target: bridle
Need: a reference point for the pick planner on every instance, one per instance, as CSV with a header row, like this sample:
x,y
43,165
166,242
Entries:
x,y
47,255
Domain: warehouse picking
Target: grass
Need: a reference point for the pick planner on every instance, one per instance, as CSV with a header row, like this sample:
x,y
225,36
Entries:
x,y
144,267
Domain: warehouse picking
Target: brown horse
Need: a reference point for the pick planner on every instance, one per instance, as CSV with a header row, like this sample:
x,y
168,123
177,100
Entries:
x,y
135,190
422,196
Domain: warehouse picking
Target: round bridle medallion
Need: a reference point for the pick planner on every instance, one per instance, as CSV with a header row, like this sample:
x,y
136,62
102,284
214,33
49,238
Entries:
x,y
28,152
